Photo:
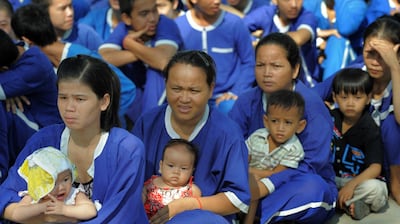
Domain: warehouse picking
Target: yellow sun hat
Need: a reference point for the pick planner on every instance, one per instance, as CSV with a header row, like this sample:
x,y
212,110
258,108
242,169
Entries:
x,y
41,168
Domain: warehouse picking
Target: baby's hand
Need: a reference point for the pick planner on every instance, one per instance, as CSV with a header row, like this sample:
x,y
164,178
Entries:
x,y
54,206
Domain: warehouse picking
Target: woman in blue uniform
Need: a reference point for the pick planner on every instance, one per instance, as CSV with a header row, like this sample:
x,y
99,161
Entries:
x,y
290,17
306,194
108,159
221,173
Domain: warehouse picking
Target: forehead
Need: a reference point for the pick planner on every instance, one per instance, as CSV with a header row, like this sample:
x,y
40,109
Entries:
x,y
64,173
139,5
179,70
73,84
178,151
271,49
276,110
59,2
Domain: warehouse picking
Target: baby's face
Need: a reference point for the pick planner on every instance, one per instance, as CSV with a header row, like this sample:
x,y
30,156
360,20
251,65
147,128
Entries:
x,y
62,185
177,166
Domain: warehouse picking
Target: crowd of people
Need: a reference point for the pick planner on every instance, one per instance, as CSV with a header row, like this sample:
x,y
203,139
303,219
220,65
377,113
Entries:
x,y
199,111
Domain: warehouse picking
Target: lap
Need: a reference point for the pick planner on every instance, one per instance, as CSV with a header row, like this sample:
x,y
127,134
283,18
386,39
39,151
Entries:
x,y
306,197
198,217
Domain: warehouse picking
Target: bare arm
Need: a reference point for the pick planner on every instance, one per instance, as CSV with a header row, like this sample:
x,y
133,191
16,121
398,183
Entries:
x,y
24,211
156,57
117,57
218,204
232,10
328,33
196,191
300,36
346,192
83,209
266,173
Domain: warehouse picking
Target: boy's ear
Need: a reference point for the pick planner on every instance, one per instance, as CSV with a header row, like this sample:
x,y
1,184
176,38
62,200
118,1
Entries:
x,y
126,19
265,120
301,126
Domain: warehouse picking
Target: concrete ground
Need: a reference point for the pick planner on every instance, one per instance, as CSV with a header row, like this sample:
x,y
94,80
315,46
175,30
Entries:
x,y
389,215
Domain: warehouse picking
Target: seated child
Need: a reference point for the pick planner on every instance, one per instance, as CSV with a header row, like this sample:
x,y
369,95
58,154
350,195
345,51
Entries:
x,y
49,175
176,181
357,149
276,147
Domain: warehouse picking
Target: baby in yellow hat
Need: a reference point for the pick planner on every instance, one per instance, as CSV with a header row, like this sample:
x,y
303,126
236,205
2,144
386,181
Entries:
x,y
49,175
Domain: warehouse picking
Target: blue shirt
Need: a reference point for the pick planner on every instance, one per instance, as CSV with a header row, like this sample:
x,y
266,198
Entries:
x,y
228,42
264,18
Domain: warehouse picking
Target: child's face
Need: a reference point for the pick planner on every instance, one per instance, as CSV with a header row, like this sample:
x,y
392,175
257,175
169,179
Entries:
x,y
62,185
282,123
144,16
5,22
165,7
61,14
351,105
177,166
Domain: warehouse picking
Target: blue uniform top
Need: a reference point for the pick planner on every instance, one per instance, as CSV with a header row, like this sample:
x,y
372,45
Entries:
x,y
4,156
33,76
228,42
15,130
117,175
18,3
84,35
167,33
222,164
94,4
265,18
378,8
145,77
81,8
251,5
350,22
100,20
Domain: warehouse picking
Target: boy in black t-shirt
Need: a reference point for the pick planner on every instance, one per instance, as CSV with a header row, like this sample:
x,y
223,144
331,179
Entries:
x,y
357,149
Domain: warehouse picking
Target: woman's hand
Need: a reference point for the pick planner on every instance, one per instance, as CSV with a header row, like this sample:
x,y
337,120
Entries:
x,y
387,51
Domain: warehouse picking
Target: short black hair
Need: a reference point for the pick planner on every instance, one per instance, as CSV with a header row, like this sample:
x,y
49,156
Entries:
x,y
8,50
192,148
352,81
33,22
286,99
195,58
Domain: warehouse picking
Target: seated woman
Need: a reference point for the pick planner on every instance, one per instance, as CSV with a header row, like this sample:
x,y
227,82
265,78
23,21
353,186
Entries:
x,y
308,193
222,171
108,159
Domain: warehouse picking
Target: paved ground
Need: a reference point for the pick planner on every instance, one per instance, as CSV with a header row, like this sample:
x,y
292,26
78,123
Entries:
x,y
390,215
